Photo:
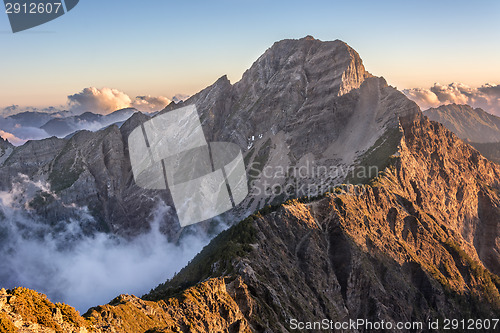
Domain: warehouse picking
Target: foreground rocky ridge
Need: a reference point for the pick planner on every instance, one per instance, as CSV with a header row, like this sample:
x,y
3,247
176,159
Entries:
x,y
420,242
25,311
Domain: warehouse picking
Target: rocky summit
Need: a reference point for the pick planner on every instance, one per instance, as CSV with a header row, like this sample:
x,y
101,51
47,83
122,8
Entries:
x,y
416,241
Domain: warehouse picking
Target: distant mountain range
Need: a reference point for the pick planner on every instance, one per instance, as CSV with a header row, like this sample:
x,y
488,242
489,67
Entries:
x,y
320,235
475,125
62,127
36,119
59,124
479,128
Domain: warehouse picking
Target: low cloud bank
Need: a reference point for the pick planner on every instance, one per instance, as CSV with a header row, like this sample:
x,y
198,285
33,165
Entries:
x,y
106,100
18,135
486,97
82,270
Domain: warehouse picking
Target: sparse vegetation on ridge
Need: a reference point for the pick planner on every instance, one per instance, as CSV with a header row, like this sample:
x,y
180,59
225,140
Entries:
x,y
214,260
379,156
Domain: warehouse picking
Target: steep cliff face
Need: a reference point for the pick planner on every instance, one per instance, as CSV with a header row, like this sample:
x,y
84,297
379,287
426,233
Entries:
x,y
31,159
93,170
458,186
90,169
420,242
302,104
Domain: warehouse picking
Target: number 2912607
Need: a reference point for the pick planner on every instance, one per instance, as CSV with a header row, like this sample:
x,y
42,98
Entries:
x,y
33,8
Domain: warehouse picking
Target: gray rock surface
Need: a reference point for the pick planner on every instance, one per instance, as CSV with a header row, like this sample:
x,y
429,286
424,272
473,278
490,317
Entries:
x,y
6,149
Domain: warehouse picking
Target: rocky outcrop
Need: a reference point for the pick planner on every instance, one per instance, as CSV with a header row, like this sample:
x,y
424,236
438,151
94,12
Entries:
x,y
215,305
25,311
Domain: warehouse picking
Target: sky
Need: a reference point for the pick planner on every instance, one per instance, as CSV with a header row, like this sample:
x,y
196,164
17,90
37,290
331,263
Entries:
x,y
162,48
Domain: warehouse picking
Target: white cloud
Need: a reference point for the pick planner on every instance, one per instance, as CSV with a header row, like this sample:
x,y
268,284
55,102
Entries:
x,y
486,97
150,103
11,138
18,135
106,100
423,97
103,101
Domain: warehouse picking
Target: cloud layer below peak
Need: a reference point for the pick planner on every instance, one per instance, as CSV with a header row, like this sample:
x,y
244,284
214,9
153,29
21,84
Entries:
x,y
106,100
486,97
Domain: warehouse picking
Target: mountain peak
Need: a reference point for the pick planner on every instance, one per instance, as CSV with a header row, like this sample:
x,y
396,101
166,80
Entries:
x,y
4,142
307,61
308,37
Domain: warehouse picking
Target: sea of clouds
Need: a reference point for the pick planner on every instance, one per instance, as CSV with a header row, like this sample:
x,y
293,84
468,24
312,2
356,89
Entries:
x,y
78,268
486,97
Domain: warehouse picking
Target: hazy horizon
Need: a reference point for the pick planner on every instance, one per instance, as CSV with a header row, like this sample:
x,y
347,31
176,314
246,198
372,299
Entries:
x,y
165,48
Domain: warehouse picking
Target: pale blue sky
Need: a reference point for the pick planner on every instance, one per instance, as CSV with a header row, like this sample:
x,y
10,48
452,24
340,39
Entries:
x,y
166,47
